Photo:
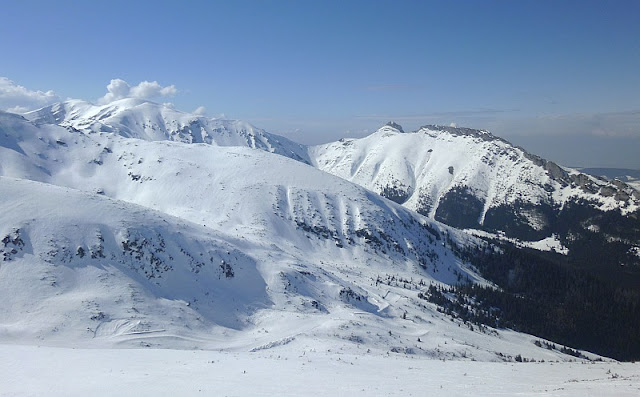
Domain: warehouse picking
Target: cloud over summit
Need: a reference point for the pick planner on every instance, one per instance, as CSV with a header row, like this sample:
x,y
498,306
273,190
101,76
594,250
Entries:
x,y
119,89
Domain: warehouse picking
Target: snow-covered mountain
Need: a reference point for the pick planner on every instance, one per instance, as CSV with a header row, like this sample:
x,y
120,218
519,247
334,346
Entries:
x,y
471,179
107,239
460,176
466,178
321,261
142,119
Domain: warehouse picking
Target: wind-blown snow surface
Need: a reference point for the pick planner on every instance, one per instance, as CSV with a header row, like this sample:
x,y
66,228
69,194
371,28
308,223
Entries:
x,y
111,240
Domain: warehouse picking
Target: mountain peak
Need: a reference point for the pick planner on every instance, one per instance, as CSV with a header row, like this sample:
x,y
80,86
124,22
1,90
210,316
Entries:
x,y
395,125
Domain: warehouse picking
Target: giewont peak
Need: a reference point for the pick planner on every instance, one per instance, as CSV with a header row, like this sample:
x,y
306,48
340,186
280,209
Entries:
x,y
395,125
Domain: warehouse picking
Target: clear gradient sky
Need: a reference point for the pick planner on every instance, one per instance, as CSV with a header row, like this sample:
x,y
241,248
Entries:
x,y
561,78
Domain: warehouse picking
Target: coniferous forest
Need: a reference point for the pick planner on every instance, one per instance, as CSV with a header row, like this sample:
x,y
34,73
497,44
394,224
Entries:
x,y
550,296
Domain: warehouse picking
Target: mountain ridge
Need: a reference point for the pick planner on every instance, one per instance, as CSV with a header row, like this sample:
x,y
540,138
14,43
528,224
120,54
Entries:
x,y
464,177
142,119
321,244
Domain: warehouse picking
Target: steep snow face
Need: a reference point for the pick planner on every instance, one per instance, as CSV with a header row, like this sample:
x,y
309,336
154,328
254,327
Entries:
x,y
467,178
136,118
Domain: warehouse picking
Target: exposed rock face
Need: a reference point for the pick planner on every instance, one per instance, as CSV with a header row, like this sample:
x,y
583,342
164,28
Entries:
x,y
398,193
395,125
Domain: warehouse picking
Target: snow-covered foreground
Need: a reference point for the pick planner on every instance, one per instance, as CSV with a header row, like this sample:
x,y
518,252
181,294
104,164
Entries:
x,y
31,370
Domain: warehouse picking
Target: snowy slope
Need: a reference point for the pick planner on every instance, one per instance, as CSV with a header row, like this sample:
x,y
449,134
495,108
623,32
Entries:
x,y
469,179
203,246
137,118
77,266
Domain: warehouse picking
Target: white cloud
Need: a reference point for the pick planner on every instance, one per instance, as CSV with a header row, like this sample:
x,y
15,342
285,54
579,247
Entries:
x,y
454,125
200,111
147,89
119,89
18,99
18,109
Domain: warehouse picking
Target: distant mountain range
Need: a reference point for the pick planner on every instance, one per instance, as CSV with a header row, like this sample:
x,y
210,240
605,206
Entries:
x,y
628,176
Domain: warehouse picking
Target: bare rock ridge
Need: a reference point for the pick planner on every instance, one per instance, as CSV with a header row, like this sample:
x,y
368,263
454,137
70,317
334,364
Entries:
x,y
461,131
395,125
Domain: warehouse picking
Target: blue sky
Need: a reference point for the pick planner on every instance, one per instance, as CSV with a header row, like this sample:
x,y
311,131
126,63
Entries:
x,y
558,77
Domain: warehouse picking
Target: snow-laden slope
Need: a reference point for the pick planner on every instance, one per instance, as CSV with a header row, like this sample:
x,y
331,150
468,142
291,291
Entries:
x,y
468,178
137,118
249,257
77,266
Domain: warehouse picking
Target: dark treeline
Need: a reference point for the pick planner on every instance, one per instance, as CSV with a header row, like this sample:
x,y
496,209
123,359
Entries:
x,y
544,296
604,249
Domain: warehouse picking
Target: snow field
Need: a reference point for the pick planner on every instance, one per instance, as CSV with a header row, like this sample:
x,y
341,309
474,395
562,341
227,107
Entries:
x,y
35,371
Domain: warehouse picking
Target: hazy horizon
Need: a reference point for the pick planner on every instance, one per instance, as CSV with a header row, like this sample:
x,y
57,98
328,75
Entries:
x,y
556,77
